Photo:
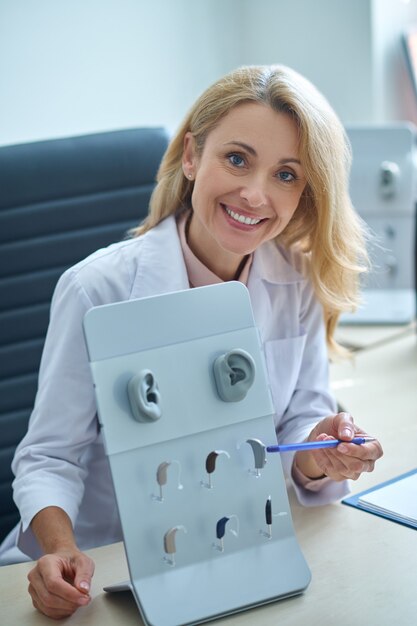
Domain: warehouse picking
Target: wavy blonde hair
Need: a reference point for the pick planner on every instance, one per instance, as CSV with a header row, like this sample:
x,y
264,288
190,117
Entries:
x,y
325,225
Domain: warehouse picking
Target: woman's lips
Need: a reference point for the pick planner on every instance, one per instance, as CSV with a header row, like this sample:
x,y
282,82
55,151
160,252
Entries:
x,y
240,218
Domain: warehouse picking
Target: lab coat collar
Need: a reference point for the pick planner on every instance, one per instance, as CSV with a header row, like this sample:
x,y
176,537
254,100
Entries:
x,y
161,267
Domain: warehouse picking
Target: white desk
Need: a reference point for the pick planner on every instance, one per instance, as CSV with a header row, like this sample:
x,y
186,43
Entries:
x,y
364,568
365,336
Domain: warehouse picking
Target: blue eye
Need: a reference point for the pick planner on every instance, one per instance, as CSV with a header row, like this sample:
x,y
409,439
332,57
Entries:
x,y
286,177
236,159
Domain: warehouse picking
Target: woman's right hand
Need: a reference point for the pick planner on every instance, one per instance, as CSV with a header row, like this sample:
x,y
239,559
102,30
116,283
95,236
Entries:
x,y
60,583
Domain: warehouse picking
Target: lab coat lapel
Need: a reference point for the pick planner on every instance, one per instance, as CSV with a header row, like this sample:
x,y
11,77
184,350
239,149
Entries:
x,y
269,273
161,267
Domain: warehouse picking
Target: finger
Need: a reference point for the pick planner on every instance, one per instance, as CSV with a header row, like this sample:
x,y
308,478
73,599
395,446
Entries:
x,y
83,573
345,426
333,466
55,613
52,571
337,465
50,605
374,449
344,466
366,451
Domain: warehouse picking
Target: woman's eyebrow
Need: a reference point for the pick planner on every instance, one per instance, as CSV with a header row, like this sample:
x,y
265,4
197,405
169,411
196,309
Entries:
x,y
252,151
289,160
243,145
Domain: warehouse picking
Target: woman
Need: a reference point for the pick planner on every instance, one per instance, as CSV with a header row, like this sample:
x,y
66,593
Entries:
x,y
253,187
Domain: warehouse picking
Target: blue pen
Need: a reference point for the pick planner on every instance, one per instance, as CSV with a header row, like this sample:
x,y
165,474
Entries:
x,y
314,445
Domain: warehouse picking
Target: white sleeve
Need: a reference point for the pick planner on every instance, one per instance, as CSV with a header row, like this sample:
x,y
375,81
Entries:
x,y
48,463
311,399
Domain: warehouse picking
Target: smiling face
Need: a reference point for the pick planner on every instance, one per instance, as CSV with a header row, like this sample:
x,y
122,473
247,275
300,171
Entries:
x,y
247,185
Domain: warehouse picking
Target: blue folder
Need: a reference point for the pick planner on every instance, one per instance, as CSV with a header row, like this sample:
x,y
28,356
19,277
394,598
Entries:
x,y
391,515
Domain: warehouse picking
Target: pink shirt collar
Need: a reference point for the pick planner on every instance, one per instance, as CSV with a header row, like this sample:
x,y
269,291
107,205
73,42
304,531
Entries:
x,y
198,274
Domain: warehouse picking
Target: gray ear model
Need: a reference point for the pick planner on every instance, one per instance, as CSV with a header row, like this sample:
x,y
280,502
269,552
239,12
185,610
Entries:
x,y
234,373
144,397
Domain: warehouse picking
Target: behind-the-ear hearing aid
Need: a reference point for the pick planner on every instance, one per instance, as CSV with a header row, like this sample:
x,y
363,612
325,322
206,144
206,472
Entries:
x,y
269,516
268,511
162,477
169,543
234,373
161,473
259,453
221,530
211,465
144,397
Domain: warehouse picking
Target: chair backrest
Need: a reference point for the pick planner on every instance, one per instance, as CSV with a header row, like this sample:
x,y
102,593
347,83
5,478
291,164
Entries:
x,y
59,201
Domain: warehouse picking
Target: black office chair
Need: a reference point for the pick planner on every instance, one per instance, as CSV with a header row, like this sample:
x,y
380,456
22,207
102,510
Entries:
x,y
59,201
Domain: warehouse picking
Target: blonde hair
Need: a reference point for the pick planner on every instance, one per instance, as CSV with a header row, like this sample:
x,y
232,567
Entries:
x,y
325,225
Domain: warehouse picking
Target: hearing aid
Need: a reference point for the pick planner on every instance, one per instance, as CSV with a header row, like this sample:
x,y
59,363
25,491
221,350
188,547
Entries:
x,y
162,477
169,543
211,465
259,453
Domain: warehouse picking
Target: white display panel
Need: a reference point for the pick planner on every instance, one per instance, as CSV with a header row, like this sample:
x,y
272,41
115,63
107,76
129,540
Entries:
x,y
206,521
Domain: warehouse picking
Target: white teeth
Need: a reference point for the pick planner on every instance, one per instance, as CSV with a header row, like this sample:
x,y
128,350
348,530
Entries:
x,y
241,218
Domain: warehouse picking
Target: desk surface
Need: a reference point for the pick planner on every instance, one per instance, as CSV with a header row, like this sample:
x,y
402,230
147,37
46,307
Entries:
x,y
364,336
364,568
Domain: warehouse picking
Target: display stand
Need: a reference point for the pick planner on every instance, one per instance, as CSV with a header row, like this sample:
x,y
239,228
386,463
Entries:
x,y
185,410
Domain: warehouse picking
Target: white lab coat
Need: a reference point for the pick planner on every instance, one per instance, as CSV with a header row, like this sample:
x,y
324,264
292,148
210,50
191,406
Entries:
x,y
61,460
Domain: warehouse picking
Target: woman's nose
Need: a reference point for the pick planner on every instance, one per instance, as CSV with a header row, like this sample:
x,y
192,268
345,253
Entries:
x,y
254,194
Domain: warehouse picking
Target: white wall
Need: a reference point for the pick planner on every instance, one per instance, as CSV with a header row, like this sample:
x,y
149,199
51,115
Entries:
x,y
351,49
326,40
77,66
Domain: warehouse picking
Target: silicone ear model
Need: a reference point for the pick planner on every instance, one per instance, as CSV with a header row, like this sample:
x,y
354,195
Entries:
x,y
144,397
234,373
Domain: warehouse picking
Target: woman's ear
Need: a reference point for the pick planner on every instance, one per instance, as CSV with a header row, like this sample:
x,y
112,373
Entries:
x,y
189,157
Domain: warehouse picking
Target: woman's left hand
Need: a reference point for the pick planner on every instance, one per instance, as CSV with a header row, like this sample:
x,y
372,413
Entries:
x,y
344,461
